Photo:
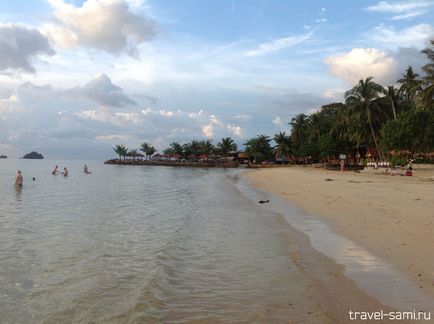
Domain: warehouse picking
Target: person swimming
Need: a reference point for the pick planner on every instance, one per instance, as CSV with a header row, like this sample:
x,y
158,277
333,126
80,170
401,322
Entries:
x,y
19,179
56,170
65,172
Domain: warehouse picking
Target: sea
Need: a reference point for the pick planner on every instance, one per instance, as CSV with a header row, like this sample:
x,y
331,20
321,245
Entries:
x,y
154,244
140,244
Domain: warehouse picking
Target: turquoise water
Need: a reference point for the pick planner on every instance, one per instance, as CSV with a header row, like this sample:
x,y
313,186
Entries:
x,y
139,244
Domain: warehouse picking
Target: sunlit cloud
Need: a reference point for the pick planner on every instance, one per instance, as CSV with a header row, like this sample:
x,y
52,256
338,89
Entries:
x,y
108,25
361,63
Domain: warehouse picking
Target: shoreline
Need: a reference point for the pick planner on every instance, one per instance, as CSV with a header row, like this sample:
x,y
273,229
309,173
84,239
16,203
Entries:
x,y
371,209
184,164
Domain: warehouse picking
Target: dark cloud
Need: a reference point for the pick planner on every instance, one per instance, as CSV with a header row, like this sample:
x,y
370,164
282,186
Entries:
x,y
102,91
20,46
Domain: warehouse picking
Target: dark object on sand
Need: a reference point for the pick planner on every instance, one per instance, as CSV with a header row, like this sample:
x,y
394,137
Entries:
x,y
33,155
263,201
328,179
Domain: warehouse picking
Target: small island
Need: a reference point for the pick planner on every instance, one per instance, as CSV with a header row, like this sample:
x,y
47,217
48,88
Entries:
x,y
33,155
3,156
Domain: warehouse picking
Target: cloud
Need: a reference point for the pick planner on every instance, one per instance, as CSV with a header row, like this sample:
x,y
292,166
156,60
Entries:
x,y
20,46
234,130
277,121
334,95
385,67
278,44
102,91
361,63
108,25
321,20
113,137
402,10
417,35
105,115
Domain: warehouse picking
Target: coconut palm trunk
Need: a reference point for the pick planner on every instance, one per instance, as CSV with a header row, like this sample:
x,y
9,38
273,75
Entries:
x,y
374,137
393,109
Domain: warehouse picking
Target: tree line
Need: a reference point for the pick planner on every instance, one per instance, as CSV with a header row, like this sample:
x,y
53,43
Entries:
x,y
193,149
389,119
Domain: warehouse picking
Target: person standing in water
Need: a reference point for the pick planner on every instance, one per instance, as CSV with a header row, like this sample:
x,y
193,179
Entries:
x,y
86,170
19,179
56,170
65,172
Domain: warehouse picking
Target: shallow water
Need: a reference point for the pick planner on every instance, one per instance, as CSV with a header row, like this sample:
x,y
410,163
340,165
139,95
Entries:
x,y
372,274
140,244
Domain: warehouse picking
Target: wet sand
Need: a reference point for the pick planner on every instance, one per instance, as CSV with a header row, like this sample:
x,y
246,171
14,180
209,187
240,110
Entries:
x,y
391,216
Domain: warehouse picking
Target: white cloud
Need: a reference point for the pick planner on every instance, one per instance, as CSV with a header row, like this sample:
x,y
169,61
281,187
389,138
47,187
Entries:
x,y
361,63
102,91
208,130
105,115
385,66
20,46
389,37
278,44
334,94
277,121
402,10
321,20
107,25
166,113
234,130
113,137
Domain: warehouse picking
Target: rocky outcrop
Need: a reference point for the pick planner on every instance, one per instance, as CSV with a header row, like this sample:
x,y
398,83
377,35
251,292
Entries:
x,y
33,155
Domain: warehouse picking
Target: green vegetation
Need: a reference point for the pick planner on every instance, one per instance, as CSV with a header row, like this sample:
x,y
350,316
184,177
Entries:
x,y
387,122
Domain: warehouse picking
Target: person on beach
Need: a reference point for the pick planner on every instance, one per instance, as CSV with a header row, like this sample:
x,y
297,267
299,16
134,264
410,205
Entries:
x,y
65,172
19,179
56,170
342,163
86,169
410,164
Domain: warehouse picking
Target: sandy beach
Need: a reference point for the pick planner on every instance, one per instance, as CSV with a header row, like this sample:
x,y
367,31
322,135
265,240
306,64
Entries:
x,y
391,216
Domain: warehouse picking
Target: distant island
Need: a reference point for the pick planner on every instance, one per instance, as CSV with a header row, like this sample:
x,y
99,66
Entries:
x,y
33,155
3,157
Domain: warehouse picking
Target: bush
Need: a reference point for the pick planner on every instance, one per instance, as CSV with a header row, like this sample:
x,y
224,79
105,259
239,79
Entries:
x,y
397,161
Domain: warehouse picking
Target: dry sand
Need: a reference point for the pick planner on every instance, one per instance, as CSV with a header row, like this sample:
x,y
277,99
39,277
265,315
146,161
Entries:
x,y
391,216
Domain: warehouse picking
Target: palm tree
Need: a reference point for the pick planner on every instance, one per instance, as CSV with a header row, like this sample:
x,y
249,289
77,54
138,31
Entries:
x,y
392,96
363,100
144,147
410,84
151,150
283,145
299,125
207,147
176,148
133,153
148,149
427,93
341,125
121,150
227,145
259,148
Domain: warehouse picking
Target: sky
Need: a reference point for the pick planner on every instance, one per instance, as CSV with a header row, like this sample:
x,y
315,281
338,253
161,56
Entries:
x,y
80,76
